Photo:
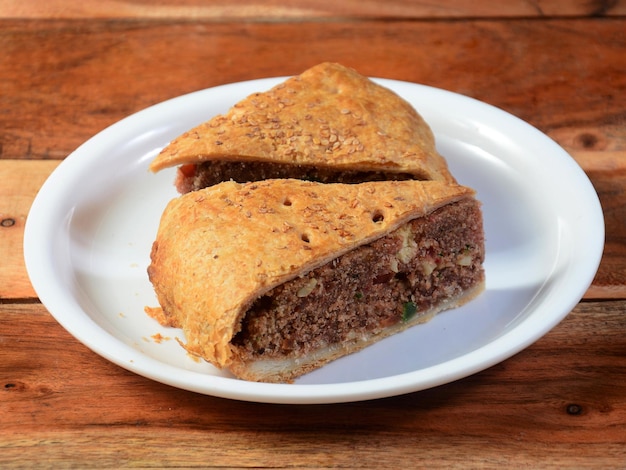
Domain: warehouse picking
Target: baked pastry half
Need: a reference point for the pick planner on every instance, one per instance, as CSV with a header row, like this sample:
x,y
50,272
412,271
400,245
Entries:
x,y
329,124
273,279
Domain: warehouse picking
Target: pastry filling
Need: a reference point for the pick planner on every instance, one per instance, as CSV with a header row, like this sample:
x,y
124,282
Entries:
x,y
394,279
192,177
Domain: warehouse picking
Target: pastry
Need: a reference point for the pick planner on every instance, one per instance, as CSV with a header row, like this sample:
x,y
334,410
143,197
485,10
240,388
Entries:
x,y
275,278
329,124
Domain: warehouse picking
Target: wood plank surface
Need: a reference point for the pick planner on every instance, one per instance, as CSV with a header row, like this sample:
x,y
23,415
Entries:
x,y
55,95
607,172
559,404
70,69
277,10
20,182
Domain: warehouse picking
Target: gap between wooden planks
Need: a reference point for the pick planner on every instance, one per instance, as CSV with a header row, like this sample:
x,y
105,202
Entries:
x,y
22,179
276,10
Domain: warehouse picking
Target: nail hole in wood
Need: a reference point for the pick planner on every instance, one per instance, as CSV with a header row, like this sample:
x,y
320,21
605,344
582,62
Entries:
x,y
574,409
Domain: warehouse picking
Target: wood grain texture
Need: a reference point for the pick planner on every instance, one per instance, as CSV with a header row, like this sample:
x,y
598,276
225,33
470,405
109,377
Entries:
x,y
607,172
559,404
567,78
278,10
20,182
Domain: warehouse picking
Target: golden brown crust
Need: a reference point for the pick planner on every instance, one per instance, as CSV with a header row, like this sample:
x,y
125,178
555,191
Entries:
x,y
220,248
329,116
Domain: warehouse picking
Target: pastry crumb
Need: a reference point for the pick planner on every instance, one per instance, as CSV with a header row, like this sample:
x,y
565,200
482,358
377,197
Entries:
x,y
159,338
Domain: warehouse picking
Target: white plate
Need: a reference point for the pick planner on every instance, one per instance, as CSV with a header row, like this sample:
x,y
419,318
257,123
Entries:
x,y
89,232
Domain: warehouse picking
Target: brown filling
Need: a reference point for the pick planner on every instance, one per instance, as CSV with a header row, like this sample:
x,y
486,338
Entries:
x,y
396,277
192,177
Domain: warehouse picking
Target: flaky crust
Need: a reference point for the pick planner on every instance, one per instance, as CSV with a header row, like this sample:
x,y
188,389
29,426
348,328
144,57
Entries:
x,y
220,248
329,116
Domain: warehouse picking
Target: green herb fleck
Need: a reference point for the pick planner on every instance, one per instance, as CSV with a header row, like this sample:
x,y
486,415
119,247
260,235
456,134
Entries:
x,y
408,311
358,295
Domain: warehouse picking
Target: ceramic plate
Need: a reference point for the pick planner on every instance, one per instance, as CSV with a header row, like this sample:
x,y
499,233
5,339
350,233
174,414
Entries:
x,y
89,233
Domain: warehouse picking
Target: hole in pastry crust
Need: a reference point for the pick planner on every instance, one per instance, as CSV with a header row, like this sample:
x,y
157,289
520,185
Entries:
x,y
378,216
287,202
305,238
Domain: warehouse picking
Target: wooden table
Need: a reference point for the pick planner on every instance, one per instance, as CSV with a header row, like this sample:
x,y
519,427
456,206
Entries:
x,y
69,69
